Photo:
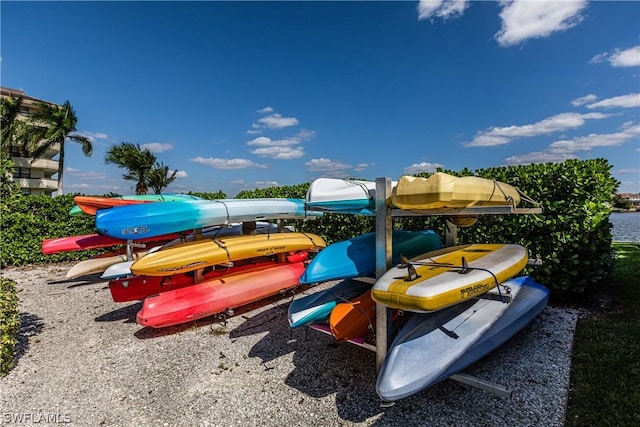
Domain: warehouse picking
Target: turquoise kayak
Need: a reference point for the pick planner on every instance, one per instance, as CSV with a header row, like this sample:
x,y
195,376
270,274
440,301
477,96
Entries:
x,y
317,307
154,219
356,257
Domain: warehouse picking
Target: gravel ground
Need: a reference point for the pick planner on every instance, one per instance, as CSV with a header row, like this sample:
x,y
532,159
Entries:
x,y
84,361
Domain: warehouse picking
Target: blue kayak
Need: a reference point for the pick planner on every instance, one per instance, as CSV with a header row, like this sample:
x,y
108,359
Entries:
x,y
155,219
356,257
431,347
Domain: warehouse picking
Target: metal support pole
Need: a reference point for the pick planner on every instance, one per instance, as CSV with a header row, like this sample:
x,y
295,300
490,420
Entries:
x,y
383,263
451,234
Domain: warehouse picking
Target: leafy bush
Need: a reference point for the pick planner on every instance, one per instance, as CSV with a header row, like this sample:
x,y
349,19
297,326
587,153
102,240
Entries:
x,y
9,324
572,236
28,220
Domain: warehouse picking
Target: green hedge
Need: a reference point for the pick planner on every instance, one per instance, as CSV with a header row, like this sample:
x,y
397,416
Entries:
x,y
9,324
572,235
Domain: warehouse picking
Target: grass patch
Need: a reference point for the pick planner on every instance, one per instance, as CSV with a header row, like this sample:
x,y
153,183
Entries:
x,y
605,373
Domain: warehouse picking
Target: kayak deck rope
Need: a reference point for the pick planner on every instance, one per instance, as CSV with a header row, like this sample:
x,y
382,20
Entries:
x,y
226,208
464,268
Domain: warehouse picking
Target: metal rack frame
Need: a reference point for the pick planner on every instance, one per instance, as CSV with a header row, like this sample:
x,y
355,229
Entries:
x,y
384,214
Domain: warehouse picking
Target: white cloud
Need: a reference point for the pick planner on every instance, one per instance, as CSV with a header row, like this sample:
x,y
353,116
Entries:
x,y
86,175
558,123
328,167
441,8
584,100
157,147
585,143
281,148
93,135
263,141
523,20
626,171
620,58
276,121
631,100
265,110
266,184
279,152
362,166
538,157
421,167
626,58
227,163
181,174
272,121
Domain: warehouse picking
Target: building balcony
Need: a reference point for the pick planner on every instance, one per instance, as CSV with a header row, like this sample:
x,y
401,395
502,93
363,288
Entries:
x,y
43,184
49,166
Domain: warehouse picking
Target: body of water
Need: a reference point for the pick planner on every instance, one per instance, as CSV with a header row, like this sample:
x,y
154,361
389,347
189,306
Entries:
x,y
626,226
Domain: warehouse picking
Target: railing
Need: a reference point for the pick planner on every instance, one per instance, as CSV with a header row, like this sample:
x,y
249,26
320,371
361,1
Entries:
x,y
45,164
37,183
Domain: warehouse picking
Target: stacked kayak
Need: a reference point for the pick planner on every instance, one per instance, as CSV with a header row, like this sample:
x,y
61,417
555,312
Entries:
x,y
342,196
124,268
356,257
205,252
442,190
153,219
217,295
318,306
220,253
99,264
347,307
431,347
90,204
136,288
91,241
439,279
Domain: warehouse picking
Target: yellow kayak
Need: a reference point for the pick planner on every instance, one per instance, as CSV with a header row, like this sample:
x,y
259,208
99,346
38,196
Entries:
x,y
198,254
442,190
439,279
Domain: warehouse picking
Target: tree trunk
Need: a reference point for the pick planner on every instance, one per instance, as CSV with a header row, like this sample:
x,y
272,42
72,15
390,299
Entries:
x,y
60,168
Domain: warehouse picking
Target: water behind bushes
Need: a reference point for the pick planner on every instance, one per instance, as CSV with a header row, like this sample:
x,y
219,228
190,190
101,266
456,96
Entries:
x,y
626,226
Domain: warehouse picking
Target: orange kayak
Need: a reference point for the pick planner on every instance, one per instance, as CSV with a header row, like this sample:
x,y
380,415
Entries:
x,y
353,319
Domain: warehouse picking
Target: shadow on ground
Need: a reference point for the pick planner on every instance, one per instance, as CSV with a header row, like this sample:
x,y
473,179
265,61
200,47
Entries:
x,y
30,327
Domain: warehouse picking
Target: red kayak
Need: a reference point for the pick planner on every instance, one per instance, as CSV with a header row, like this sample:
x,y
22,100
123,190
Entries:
x,y
217,295
137,288
90,241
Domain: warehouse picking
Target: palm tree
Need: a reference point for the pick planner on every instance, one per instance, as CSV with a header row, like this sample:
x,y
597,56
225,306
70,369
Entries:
x,y
160,177
54,124
14,130
136,160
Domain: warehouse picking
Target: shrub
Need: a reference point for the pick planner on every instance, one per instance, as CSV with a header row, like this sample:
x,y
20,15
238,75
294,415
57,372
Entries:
x,y
9,324
572,235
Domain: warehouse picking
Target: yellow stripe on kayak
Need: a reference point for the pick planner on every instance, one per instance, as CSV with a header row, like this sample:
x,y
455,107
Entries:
x,y
432,290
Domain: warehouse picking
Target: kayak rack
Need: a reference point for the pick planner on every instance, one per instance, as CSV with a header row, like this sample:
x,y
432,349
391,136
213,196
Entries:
x,y
384,213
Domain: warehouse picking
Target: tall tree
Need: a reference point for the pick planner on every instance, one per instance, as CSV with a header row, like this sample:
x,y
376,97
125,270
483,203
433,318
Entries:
x,y
137,161
160,177
54,124
14,131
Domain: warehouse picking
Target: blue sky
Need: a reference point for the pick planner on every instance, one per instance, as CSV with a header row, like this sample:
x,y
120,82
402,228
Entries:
x,y
245,95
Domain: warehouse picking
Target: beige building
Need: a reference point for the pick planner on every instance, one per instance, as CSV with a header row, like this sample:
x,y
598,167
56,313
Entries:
x,y
40,176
